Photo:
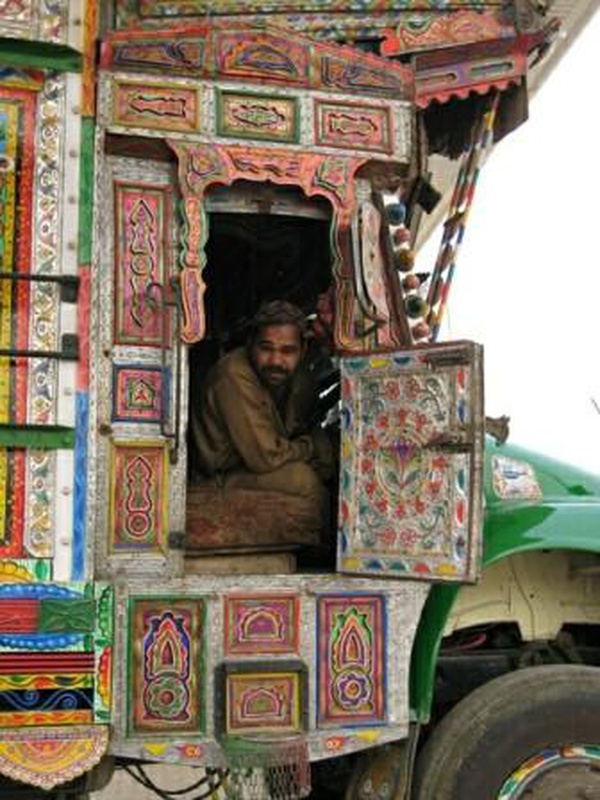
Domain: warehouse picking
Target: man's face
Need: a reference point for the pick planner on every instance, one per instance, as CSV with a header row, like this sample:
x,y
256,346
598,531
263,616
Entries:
x,y
276,353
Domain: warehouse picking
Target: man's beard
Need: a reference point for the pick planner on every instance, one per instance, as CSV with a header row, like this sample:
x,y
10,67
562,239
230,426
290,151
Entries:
x,y
282,376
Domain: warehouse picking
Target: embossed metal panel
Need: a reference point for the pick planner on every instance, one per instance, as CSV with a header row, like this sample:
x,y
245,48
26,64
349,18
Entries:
x,y
412,443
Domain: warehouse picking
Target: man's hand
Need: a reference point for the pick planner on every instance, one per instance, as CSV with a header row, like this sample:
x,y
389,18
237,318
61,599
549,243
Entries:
x,y
323,457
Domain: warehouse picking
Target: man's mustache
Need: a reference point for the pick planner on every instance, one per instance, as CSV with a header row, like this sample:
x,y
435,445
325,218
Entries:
x,y
275,370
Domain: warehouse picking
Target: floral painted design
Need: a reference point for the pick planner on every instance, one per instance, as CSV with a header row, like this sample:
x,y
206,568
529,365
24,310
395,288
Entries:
x,y
407,476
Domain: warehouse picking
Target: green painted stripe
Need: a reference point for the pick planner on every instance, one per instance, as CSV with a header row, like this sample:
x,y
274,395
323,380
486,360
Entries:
x,y
86,191
40,55
37,437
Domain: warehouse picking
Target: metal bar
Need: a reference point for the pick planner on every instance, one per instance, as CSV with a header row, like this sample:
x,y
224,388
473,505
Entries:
x,y
69,352
166,429
28,276
69,284
178,346
57,354
38,437
45,55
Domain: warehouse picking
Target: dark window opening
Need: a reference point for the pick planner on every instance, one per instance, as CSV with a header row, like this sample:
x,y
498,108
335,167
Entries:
x,y
264,243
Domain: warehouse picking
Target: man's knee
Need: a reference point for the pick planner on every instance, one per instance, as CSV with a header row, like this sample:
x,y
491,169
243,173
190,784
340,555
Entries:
x,y
296,478
300,479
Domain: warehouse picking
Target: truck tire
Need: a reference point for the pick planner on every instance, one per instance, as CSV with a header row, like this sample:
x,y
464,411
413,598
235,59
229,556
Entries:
x,y
534,734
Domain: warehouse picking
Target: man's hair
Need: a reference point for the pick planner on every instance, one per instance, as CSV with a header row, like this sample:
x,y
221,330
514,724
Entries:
x,y
278,312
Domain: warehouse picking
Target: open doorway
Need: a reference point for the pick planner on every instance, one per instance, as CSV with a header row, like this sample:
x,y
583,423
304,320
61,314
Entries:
x,y
265,243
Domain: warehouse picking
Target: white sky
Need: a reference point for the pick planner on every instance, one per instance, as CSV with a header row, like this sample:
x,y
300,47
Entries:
x,y
527,283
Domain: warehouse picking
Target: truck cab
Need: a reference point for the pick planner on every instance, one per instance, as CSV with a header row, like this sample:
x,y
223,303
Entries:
x,y
165,172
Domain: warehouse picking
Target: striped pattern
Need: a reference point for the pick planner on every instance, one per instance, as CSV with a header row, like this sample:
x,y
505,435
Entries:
x,y
50,663
456,221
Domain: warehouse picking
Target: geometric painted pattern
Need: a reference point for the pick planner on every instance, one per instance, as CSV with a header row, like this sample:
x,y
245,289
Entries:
x,y
51,756
166,670
138,518
264,698
241,56
139,393
254,56
353,126
351,660
142,259
261,623
51,639
168,107
251,116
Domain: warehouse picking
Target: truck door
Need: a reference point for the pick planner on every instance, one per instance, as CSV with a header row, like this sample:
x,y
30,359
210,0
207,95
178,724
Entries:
x,y
138,371
412,441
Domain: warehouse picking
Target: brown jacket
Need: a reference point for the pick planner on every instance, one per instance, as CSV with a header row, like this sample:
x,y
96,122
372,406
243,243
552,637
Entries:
x,y
238,425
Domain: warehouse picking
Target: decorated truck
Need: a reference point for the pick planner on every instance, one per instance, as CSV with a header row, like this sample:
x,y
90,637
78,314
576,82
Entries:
x,y
165,167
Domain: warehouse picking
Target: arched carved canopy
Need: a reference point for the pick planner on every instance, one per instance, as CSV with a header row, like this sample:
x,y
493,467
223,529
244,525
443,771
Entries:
x,y
204,165
268,106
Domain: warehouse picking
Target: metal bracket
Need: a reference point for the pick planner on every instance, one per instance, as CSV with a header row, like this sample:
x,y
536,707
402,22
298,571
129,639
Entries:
x,y
169,299
176,540
447,358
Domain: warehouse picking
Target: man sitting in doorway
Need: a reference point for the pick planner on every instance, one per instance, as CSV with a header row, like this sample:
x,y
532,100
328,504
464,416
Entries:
x,y
252,428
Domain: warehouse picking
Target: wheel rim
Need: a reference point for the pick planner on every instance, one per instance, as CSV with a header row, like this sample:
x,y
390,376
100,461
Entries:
x,y
575,768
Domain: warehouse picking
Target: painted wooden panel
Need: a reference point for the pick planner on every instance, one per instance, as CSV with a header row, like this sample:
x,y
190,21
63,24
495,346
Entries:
x,y
245,115
142,257
47,757
262,698
261,623
167,107
262,57
140,393
246,55
353,127
152,55
139,497
364,79
53,639
166,671
412,451
351,646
